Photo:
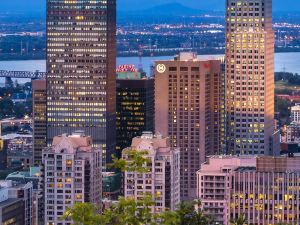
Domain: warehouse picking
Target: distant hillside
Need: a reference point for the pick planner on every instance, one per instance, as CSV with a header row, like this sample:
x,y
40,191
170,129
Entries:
x,y
169,9
206,5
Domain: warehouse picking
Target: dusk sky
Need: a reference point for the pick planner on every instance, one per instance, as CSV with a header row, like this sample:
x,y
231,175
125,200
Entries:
x,y
39,5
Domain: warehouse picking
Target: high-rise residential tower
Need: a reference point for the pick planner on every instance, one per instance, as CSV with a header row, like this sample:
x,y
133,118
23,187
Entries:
x,y
188,97
250,76
81,62
72,174
163,177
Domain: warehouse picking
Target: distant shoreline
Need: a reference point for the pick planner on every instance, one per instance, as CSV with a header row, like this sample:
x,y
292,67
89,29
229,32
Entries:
x,y
42,56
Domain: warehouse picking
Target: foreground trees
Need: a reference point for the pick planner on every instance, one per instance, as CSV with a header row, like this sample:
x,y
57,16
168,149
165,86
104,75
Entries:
x,y
129,211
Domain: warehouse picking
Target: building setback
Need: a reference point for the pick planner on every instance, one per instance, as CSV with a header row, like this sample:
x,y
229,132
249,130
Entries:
x,y
72,173
188,99
39,101
162,180
135,107
250,77
263,189
81,62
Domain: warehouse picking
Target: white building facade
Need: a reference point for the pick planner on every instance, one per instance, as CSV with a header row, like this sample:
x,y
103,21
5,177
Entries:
x,y
295,113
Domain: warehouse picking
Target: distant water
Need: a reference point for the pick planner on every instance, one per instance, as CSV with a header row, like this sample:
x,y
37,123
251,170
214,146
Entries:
x,y
289,62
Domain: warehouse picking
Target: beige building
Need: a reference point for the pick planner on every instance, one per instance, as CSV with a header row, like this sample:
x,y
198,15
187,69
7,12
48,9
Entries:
x,y
188,99
162,180
250,77
72,173
263,189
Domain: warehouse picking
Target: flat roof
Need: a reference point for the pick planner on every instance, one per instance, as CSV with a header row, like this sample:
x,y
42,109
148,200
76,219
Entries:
x,y
9,201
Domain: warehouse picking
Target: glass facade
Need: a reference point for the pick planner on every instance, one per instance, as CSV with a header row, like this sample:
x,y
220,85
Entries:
x,y
135,110
81,61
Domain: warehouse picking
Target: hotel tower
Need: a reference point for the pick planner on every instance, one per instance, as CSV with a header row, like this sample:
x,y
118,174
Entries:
x,y
250,77
81,62
188,100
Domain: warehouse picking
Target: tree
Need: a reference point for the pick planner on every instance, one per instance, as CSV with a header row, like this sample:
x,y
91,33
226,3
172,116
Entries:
x,y
130,211
189,216
239,221
6,107
169,218
137,162
84,214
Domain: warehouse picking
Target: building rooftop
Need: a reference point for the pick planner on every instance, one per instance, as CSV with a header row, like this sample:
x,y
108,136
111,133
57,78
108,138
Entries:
x,y
192,57
9,201
73,143
15,135
296,107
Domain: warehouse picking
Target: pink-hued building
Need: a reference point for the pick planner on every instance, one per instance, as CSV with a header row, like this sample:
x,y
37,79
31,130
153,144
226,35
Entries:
x,y
162,180
250,77
72,173
188,109
263,189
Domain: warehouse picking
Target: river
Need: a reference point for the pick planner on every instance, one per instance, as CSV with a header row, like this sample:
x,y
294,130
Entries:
x,y
289,62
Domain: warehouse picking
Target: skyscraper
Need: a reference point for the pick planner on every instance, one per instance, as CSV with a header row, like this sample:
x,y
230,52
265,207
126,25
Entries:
x,y
72,173
39,101
135,105
250,76
81,62
188,94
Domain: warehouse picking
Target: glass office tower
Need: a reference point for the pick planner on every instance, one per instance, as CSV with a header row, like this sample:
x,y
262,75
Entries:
x,y
81,62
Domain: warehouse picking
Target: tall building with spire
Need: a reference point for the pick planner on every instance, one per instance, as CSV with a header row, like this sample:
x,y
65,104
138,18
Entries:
x,y
250,76
81,62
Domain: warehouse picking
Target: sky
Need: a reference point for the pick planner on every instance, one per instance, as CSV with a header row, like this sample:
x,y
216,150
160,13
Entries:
x,y
39,5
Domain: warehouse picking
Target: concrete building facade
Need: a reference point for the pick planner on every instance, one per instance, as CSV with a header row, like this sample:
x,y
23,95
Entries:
x,y
250,77
162,180
188,109
263,189
295,113
291,133
72,173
